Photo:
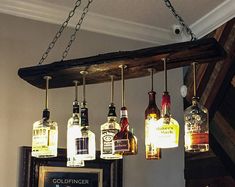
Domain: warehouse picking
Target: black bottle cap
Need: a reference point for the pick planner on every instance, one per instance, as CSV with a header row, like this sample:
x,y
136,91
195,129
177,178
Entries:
x,y
112,110
46,114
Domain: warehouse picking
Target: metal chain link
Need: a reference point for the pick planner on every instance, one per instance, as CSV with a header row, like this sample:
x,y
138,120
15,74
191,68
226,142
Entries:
x,y
77,28
180,20
59,32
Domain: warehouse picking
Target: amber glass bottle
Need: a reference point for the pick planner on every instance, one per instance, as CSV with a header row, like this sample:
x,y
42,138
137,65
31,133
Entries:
x,y
152,114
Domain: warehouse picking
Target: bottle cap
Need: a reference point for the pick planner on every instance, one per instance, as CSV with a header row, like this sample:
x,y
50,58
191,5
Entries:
x,y
112,110
75,107
84,116
46,114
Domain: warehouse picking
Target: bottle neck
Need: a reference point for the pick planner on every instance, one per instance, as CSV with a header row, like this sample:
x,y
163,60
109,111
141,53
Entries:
x,y
75,107
166,104
195,101
84,116
152,101
46,114
124,119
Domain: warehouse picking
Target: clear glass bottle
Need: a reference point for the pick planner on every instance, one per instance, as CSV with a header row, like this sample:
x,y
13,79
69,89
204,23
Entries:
x,y
167,127
45,133
152,114
108,131
85,144
196,127
125,142
73,132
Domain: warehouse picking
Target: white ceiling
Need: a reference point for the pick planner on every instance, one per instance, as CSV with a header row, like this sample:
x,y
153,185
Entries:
x,y
143,20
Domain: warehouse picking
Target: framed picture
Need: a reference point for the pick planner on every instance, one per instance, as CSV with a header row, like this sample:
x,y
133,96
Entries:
x,y
52,172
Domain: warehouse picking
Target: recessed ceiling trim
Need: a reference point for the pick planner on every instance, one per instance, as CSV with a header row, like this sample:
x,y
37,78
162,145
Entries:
x,y
214,19
51,13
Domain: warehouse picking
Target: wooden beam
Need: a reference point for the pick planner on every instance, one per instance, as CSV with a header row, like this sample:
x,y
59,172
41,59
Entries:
x,y
102,66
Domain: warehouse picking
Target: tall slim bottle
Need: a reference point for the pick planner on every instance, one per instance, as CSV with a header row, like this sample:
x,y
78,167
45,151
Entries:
x,y
45,133
85,143
152,114
74,132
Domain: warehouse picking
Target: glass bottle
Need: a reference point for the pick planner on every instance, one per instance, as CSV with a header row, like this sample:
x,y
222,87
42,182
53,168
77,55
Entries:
x,y
152,114
45,133
85,144
196,128
125,142
167,127
108,131
73,132
196,120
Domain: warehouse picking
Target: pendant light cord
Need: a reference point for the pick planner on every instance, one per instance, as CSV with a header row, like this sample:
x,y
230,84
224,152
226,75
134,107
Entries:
x,y
123,84
47,78
194,80
84,73
151,75
112,89
76,90
165,73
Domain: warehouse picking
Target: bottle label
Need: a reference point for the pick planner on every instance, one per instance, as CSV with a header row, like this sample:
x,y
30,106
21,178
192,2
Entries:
x,y
40,138
197,138
121,145
167,136
82,145
107,140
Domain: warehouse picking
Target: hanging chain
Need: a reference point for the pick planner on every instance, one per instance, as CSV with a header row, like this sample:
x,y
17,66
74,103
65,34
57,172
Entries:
x,y
59,32
180,20
77,28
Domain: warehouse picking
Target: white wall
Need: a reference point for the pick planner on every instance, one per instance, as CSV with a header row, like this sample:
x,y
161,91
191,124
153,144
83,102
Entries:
x,y
21,44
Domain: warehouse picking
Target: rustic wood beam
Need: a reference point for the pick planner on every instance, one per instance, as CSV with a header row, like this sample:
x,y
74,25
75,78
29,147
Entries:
x,y
102,66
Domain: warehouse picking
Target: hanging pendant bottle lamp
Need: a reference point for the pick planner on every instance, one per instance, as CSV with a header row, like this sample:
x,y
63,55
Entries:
x,y
86,148
196,120
109,130
125,142
152,114
74,133
167,127
45,132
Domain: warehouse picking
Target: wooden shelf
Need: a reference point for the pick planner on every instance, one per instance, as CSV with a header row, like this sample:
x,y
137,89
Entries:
x,y
100,67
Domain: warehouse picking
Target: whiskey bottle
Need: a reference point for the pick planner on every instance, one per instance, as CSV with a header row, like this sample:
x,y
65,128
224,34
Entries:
x,y
108,131
152,114
45,133
125,142
73,132
45,137
196,127
167,127
85,143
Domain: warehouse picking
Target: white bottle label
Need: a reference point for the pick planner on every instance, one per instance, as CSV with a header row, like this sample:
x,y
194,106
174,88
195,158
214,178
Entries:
x,y
40,138
121,145
107,140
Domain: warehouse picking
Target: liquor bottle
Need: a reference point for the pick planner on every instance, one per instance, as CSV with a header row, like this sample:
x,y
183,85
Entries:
x,y
108,130
167,127
152,114
85,144
45,133
74,132
196,124
125,142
